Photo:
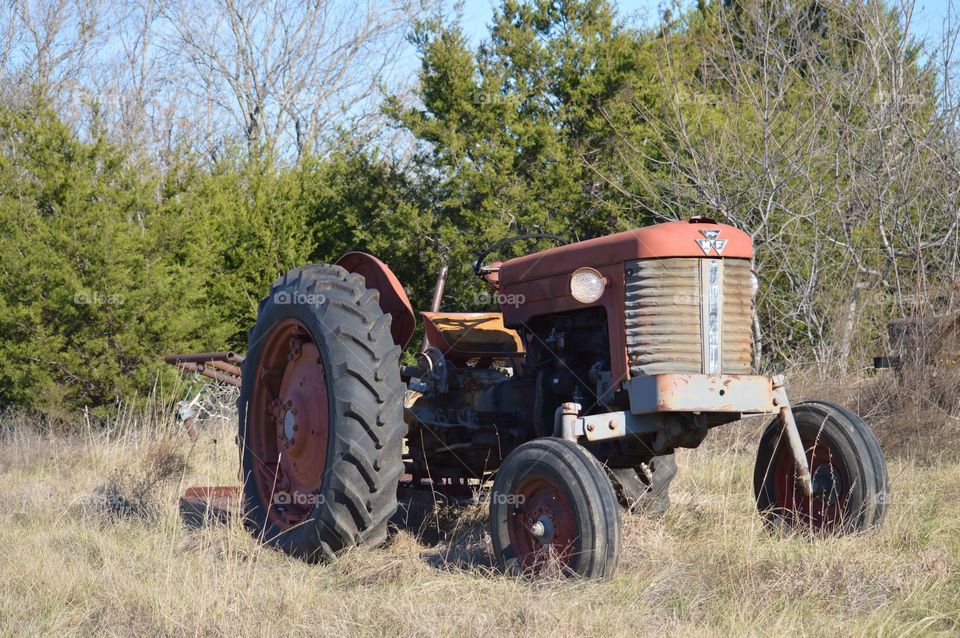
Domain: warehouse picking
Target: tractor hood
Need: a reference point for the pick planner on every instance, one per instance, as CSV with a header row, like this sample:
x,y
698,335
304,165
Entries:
x,y
695,237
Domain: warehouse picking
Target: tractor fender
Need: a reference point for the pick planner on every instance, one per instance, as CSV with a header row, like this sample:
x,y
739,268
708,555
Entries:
x,y
393,298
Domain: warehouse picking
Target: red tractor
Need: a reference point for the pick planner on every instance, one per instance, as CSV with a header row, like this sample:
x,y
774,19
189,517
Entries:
x,y
607,355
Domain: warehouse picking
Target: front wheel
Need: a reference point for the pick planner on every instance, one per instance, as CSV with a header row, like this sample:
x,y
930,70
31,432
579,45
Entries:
x,y
552,506
847,469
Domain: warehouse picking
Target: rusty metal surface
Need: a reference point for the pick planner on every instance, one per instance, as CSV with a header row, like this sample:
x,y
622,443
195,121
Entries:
x,y
664,322
226,367
438,290
226,356
670,239
220,366
750,394
210,372
662,308
470,334
436,301
614,425
393,298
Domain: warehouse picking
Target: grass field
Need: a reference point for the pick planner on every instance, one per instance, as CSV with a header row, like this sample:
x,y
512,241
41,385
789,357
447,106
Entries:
x,y
708,568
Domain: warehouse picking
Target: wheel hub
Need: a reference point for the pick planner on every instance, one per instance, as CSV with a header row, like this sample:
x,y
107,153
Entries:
x,y
289,423
825,483
542,529
542,525
824,509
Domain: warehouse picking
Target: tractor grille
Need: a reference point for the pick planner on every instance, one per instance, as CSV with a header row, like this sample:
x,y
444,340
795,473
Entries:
x,y
687,314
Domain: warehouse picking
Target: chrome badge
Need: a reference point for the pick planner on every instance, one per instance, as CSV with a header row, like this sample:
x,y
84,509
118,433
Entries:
x,y
710,242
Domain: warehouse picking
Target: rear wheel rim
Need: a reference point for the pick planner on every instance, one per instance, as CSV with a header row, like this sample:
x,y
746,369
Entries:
x,y
289,425
824,511
541,525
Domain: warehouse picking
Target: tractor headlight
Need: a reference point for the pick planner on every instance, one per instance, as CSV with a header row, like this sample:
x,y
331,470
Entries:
x,y
586,285
754,283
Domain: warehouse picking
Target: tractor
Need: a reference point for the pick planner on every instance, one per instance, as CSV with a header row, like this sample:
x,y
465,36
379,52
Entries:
x,y
606,356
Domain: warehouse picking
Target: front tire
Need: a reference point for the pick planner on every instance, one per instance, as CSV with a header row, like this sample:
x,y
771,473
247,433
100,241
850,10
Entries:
x,y
846,465
552,506
321,424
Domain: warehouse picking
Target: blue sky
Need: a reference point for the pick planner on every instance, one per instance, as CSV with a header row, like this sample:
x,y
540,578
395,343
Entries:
x,y
929,17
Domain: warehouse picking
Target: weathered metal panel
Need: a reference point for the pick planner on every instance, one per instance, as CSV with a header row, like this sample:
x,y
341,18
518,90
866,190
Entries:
x,y
701,393
665,316
671,239
662,308
737,317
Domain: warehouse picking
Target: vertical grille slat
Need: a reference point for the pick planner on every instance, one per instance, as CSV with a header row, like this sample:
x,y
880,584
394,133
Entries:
x,y
662,303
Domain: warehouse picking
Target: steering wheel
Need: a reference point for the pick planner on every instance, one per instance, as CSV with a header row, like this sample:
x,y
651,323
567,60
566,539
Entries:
x,y
488,272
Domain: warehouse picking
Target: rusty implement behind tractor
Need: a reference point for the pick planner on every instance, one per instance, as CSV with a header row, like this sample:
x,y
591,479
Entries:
x,y
605,357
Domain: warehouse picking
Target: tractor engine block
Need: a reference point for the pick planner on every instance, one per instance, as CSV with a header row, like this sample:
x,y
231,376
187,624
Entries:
x,y
472,414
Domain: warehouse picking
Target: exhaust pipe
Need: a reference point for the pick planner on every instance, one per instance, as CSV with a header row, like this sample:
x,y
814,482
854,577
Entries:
x,y
437,298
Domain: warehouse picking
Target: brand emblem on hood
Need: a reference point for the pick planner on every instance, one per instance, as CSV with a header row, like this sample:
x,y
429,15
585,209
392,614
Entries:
x,y
711,242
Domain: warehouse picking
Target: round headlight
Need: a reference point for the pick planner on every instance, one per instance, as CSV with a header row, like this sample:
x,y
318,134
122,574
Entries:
x,y
754,282
586,285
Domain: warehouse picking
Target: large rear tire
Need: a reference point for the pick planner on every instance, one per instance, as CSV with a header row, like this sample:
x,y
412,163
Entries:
x,y
321,423
846,465
553,507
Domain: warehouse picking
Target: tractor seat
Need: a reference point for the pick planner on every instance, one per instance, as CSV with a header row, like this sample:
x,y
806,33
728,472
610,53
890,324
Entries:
x,y
471,335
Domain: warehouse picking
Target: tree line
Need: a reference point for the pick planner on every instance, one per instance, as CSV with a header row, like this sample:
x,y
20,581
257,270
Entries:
x,y
162,162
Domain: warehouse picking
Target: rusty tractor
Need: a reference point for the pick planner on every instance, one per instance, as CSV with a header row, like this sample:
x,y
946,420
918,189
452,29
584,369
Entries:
x,y
606,356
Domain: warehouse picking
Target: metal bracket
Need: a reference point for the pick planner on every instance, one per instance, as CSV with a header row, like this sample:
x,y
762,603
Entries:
x,y
793,434
570,425
565,421
613,425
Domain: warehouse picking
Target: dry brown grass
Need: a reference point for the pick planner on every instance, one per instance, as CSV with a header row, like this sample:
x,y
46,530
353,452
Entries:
x,y
708,568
